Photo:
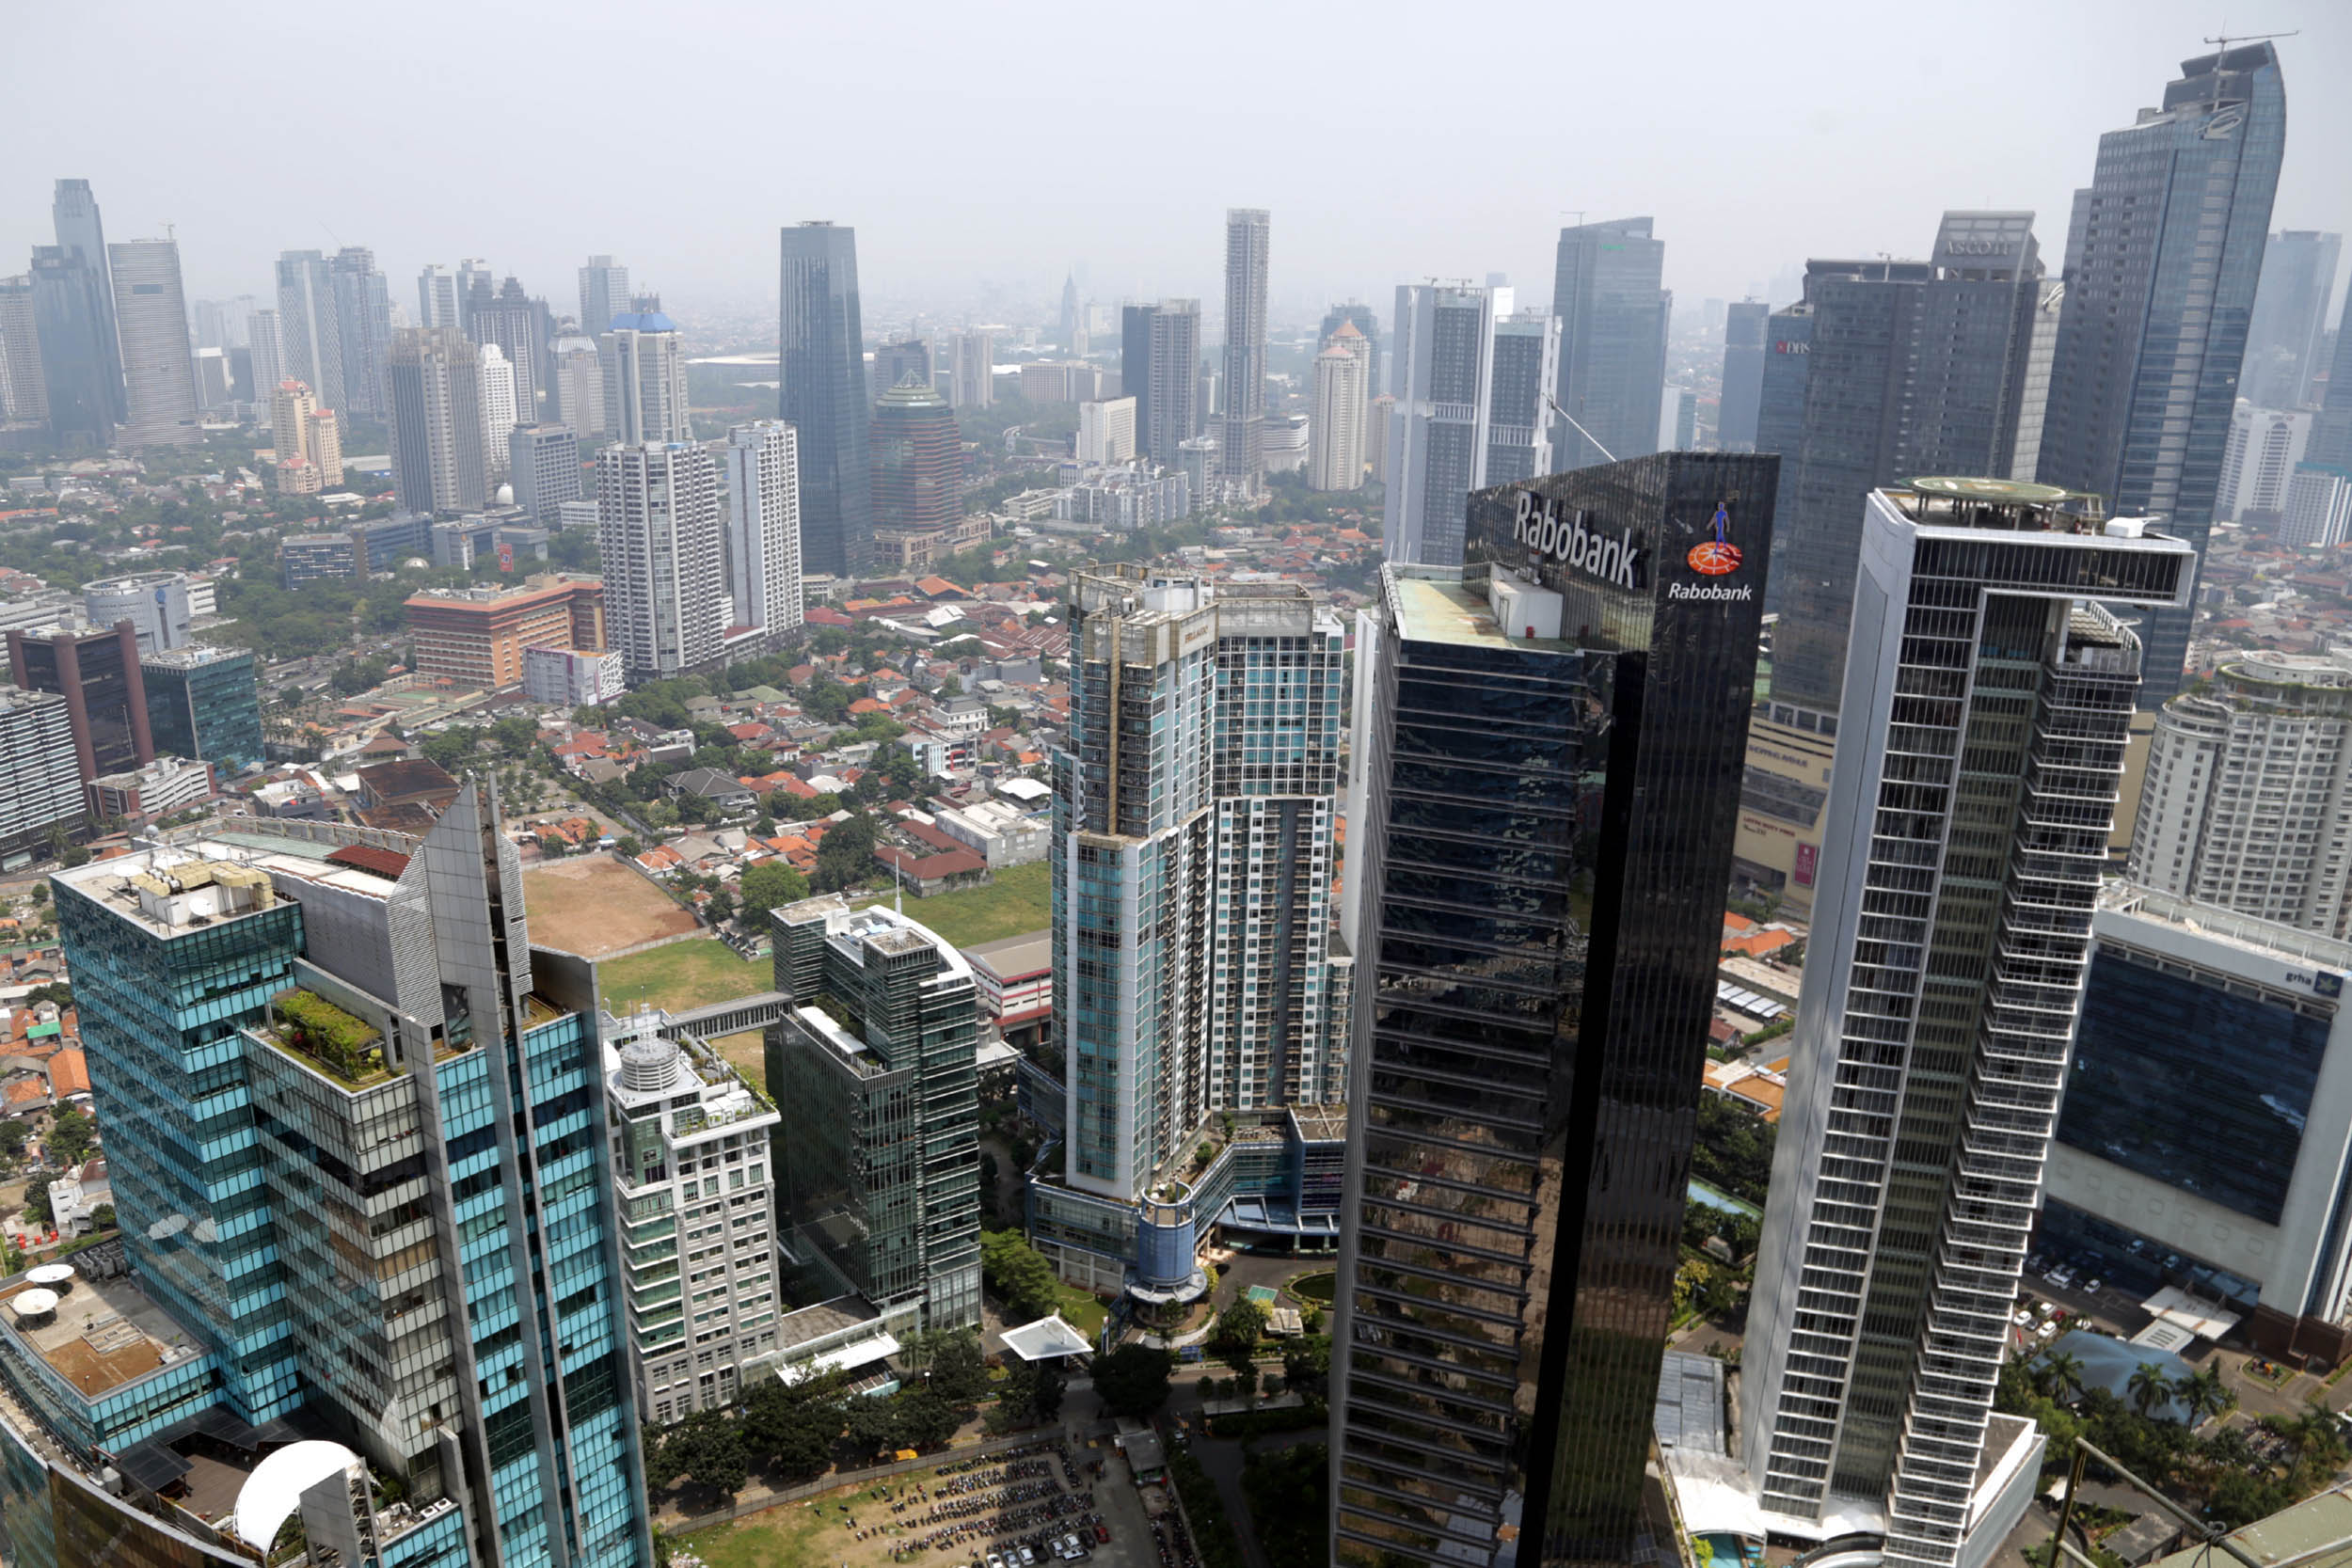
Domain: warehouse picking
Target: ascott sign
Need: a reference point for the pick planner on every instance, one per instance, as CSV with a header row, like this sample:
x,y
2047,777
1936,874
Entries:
x,y
1541,528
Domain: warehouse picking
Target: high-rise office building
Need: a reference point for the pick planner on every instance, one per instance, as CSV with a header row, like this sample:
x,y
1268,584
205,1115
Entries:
x,y
156,604
97,673
1443,349
1519,418
221,323
2162,261
73,321
1987,705
158,368
1072,325
2041,354
363,316
873,1058
575,385
1539,835
1746,326
23,395
2258,466
2241,802
356,1146
265,362
1336,428
517,324
917,461
436,298
2290,318
1607,292
205,703
1164,380
1135,368
897,364
311,332
498,408
1780,407
1248,230
1106,431
309,449
657,527
73,210
763,534
644,379
973,374
693,1144
2330,446
823,396
1913,369
436,421
481,637
543,465
603,293
475,285
1355,313
2210,1154
1193,851
41,788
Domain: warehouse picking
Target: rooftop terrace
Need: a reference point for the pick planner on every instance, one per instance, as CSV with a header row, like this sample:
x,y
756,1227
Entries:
x,y
105,1333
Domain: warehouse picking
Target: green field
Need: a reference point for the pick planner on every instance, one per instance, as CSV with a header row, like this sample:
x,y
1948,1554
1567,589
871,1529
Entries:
x,y
689,973
1019,901
1315,1287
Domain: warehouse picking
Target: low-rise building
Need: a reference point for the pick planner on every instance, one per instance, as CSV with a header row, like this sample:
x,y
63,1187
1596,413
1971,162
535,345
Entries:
x,y
321,558
1015,977
155,789
477,636
575,677
693,1185
998,833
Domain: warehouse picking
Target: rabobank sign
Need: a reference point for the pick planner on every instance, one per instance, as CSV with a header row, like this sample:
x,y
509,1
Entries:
x,y
1540,527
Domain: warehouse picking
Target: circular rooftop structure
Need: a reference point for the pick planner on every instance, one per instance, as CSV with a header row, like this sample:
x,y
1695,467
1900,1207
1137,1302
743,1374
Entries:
x,y
649,1064
33,1302
2005,492
274,1491
52,1276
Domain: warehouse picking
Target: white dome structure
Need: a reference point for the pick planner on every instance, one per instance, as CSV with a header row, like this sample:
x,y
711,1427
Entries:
x,y
274,1491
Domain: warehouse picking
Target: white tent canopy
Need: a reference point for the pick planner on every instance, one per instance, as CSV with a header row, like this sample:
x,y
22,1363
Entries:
x,y
273,1490
1046,1339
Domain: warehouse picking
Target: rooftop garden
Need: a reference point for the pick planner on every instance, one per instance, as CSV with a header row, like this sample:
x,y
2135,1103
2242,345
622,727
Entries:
x,y
347,1049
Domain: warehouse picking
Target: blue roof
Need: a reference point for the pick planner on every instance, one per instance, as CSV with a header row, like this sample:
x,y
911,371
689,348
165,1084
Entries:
x,y
642,320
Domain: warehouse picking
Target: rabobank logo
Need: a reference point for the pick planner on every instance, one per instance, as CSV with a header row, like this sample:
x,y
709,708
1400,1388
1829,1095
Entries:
x,y
1717,557
1542,529
1710,590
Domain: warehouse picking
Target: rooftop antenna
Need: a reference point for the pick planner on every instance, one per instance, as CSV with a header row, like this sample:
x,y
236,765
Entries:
x,y
1606,454
2221,47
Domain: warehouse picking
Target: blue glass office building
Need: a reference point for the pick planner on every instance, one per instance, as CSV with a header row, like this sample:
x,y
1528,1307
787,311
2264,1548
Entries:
x,y
356,1131
2205,1139
2161,266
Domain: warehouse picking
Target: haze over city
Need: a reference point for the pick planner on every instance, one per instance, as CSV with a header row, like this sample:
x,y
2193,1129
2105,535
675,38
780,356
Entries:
x,y
981,151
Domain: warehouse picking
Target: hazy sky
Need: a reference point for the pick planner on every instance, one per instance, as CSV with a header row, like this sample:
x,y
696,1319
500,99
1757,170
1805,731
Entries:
x,y
980,149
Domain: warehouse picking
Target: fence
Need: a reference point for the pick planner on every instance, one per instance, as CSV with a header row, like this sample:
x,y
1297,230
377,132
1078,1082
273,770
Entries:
x,y
835,1479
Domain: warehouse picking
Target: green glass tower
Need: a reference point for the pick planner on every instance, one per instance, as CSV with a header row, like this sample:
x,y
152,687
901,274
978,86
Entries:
x,y
205,703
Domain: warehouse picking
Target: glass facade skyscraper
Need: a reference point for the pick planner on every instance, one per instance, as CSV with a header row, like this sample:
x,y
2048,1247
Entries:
x,y
1986,707
1606,290
824,395
1436,445
203,703
1518,422
874,1059
1549,742
1914,368
2162,263
358,1148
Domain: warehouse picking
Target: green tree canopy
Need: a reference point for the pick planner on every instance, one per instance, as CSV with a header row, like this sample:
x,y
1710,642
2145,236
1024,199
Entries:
x,y
1132,1380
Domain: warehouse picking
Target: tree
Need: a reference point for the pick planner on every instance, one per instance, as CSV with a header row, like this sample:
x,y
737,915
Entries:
x,y
1033,1392
1306,1363
1289,1492
1024,1281
37,1210
1238,1329
707,1447
2063,1373
722,906
40,893
449,748
2204,1394
769,885
69,1137
921,1420
628,846
792,1426
846,857
1133,1380
958,1369
2148,1387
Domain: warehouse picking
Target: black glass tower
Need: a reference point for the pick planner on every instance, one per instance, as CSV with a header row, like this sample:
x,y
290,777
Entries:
x,y
824,396
1551,737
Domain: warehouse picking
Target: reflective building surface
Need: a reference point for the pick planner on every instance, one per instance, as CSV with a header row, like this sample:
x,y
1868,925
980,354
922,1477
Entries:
x,y
1550,740
823,393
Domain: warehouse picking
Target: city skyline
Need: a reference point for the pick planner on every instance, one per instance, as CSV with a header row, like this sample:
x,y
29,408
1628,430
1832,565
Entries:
x,y
1753,208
